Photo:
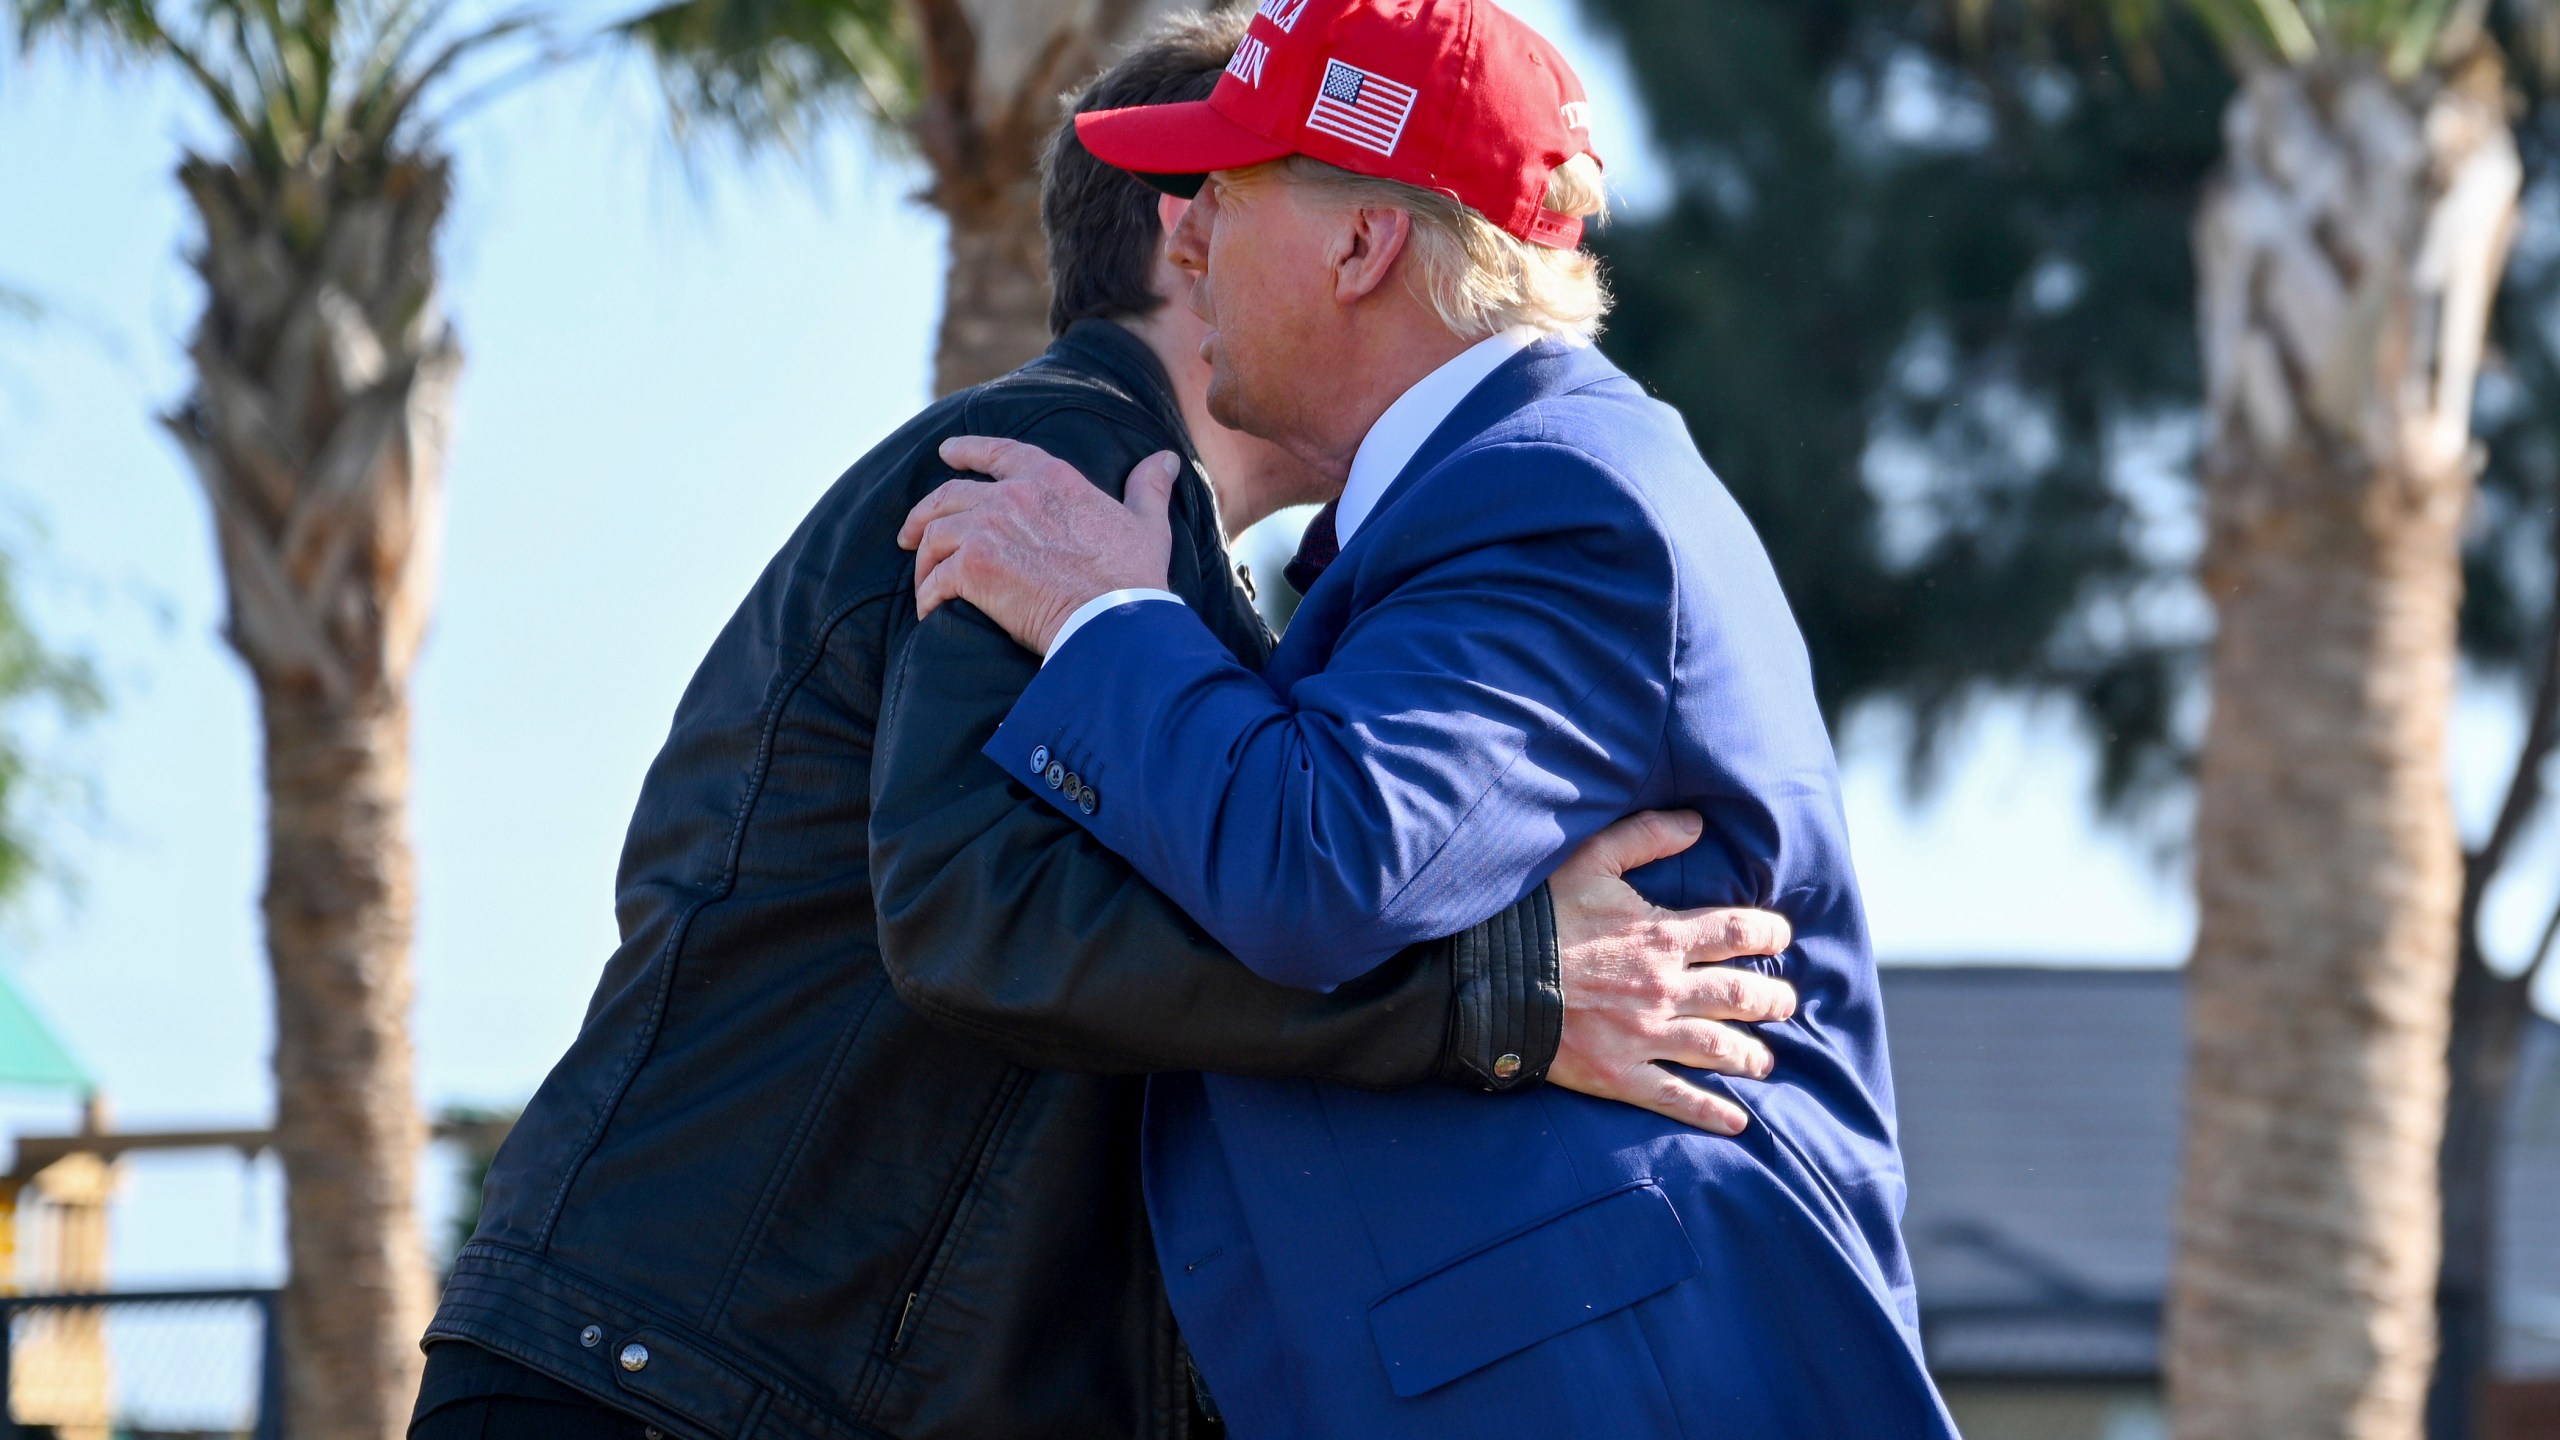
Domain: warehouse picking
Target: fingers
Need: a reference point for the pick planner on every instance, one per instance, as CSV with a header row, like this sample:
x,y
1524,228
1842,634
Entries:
x,y
936,545
1650,1087
1003,459
1150,487
1714,936
943,582
1717,1049
1636,841
1740,997
1694,1105
951,497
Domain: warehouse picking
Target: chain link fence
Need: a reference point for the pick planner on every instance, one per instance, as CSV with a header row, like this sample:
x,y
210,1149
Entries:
x,y
139,1365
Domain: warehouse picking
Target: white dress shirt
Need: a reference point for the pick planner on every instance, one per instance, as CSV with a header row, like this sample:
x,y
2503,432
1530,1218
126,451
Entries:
x,y
1408,424
1389,446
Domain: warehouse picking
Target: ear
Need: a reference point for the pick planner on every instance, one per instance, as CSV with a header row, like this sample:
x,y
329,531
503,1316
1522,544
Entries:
x,y
1366,247
1169,211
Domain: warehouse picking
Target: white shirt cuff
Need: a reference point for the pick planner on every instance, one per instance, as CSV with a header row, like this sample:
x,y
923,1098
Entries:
x,y
1096,606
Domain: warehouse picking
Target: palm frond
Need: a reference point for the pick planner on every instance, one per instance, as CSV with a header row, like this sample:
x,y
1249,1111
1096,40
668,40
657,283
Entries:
x,y
2285,26
388,96
772,71
404,28
124,26
290,80
239,111
2408,50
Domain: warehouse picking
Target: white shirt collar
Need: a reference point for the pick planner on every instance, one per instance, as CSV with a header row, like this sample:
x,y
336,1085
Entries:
x,y
1401,433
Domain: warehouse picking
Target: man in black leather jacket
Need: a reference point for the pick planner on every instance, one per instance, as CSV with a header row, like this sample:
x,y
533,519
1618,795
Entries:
x,y
847,1144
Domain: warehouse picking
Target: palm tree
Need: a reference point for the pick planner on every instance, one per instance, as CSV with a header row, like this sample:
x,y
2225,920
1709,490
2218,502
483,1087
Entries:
x,y
972,84
2347,252
323,392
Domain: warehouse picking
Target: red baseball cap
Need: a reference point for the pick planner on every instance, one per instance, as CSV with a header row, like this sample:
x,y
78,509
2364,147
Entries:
x,y
1455,96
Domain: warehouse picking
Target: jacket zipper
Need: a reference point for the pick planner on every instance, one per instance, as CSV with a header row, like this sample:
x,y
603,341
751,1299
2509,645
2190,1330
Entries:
x,y
929,1256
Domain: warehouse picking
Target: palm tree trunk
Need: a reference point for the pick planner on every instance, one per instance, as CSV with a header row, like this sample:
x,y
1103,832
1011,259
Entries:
x,y
993,74
324,385
995,307
340,904
2349,251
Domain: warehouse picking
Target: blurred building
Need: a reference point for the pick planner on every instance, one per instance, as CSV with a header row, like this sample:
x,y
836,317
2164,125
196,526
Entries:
x,y
53,1239
2040,1125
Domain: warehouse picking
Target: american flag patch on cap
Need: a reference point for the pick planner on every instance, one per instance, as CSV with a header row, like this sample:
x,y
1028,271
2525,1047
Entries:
x,y
1368,110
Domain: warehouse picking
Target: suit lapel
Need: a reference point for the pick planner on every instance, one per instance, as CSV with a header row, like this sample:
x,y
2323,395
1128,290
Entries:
x,y
1546,369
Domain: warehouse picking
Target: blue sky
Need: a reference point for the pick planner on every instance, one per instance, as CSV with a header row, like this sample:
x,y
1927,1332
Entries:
x,y
664,369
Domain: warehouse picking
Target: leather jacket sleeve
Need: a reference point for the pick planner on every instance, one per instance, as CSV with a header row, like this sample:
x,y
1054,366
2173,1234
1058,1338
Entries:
x,y
1000,919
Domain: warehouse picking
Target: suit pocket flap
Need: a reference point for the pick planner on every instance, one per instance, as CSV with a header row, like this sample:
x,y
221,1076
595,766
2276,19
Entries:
x,y
1586,1263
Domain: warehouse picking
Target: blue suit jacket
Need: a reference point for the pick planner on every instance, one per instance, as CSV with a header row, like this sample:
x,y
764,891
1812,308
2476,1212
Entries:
x,y
1554,617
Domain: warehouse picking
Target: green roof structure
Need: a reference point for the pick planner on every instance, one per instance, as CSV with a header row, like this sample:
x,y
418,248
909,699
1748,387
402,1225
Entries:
x,y
31,1055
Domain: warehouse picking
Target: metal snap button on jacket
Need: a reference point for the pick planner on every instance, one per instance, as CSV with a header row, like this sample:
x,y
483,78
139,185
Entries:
x,y
592,1336
1506,1066
635,1357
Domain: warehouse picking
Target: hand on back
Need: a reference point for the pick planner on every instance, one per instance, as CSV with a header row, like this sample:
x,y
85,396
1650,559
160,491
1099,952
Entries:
x,y
1644,985
1034,546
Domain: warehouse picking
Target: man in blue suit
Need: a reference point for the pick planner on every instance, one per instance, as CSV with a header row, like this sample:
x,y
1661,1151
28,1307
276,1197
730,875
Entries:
x,y
1532,610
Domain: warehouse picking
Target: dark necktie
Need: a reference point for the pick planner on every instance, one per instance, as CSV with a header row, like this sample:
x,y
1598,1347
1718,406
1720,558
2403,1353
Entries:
x,y
1315,552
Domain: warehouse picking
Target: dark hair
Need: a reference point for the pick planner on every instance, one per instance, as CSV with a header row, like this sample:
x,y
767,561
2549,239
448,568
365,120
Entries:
x,y
1101,222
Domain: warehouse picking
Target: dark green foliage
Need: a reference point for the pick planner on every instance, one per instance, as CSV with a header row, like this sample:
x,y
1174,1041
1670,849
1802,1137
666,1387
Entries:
x,y
1911,308
40,689
777,71
2516,524
478,1132
296,83
1948,362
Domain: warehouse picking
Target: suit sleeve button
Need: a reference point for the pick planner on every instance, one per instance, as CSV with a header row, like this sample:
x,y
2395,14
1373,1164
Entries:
x,y
1040,760
1056,775
1089,800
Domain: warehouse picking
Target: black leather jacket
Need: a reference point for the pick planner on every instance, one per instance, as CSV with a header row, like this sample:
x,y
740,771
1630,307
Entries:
x,y
847,1144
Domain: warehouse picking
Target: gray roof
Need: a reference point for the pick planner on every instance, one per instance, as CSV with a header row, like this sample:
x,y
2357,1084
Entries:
x,y
2040,1127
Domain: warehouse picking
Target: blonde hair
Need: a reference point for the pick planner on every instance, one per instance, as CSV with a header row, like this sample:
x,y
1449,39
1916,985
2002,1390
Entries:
x,y
1477,277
